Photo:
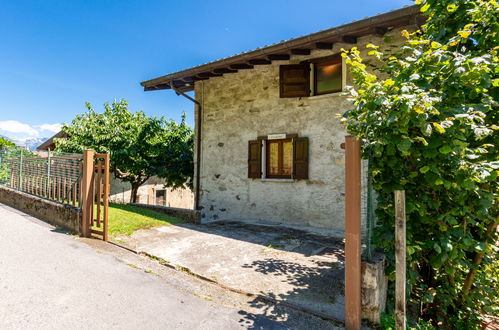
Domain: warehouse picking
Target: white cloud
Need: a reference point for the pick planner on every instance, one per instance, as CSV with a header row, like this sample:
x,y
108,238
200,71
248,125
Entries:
x,y
15,127
54,128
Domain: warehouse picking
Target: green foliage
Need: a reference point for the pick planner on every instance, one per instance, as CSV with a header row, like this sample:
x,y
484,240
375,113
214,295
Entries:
x,y
388,323
431,128
8,150
140,146
125,219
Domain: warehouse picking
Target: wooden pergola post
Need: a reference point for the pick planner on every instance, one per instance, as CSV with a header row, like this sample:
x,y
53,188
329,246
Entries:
x,y
400,256
86,192
352,234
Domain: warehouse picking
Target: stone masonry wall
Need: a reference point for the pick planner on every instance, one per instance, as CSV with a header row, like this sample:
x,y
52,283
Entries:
x,y
55,213
240,106
180,198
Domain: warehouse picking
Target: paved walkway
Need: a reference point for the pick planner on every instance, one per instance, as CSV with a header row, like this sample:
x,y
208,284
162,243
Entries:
x,y
49,280
281,263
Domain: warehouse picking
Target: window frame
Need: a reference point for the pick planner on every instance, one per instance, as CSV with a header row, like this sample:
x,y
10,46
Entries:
x,y
323,62
280,158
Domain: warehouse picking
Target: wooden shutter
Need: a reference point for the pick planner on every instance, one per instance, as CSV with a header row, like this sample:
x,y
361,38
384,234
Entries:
x,y
254,159
300,158
294,80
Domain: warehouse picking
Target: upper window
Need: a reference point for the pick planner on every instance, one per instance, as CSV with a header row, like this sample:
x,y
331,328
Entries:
x,y
326,76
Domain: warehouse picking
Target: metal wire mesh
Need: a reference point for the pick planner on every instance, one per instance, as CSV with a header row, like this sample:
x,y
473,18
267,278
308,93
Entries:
x,y
56,177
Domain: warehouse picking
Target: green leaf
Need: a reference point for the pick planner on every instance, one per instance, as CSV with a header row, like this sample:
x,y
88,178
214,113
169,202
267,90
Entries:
x,y
404,145
424,169
438,128
452,8
445,149
425,8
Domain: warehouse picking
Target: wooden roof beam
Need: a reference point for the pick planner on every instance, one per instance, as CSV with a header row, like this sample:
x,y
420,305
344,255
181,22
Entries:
x,y
223,70
379,30
208,74
349,39
259,61
240,66
278,57
324,45
300,51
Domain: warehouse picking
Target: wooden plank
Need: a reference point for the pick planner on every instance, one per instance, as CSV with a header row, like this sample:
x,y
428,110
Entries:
x,y
74,193
106,195
86,192
352,233
98,232
99,190
400,255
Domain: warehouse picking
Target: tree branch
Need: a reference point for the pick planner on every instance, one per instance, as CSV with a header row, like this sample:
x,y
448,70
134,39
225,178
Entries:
x,y
477,260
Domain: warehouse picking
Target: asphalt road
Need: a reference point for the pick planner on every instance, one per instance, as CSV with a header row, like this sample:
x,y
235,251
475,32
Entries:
x,y
49,280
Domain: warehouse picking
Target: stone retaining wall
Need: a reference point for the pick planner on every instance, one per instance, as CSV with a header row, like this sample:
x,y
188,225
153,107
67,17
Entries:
x,y
374,288
55,213
192,216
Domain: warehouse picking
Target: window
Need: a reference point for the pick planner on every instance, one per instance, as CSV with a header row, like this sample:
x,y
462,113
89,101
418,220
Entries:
x,y
285,158
279,160
326,77
161,197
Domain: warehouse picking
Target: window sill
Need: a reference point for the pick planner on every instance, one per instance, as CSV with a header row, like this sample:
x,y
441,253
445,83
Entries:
x,y
276,180
323,96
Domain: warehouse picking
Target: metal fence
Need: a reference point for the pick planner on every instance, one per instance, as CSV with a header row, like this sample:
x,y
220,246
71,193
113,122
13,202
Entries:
x,y
54,176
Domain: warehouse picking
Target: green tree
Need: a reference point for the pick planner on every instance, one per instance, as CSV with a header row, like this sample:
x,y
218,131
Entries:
x,y
140,146
8,150
430,126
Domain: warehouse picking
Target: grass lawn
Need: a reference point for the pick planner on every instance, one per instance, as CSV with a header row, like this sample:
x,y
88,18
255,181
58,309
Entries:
x,y
125,219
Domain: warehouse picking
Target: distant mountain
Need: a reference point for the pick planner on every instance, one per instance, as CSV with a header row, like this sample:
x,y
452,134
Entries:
x,y
29,143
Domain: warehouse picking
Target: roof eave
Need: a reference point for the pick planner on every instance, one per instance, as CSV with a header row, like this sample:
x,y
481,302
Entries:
x,y
380,21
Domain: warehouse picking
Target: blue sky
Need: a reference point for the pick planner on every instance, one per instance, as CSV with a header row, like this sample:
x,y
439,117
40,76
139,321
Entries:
x,y
55,55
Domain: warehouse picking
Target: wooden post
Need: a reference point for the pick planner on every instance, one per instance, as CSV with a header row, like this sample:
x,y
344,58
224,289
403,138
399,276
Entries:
x,y
400,251
86,191
352,234
99,191
105,196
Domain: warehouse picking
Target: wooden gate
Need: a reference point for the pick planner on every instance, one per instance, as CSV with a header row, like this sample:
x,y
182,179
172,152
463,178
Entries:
x,y
95,194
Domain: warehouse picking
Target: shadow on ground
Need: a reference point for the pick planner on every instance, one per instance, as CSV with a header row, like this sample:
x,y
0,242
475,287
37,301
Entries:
x,y
284,265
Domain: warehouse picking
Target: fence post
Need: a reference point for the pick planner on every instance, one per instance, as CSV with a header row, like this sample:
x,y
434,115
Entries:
x,y
48,174
20,187
106,195
86,192
352,234
400,250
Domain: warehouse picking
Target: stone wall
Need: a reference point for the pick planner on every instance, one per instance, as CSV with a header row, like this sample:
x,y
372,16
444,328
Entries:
x,y
180,198
55,213
191,216
240,106
374,288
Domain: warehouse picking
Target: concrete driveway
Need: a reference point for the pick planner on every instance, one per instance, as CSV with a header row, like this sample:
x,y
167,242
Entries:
x,y
302,269
51,280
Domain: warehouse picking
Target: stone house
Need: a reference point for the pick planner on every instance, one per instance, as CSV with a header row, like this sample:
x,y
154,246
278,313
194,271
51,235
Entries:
x,y
267,124
152,192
